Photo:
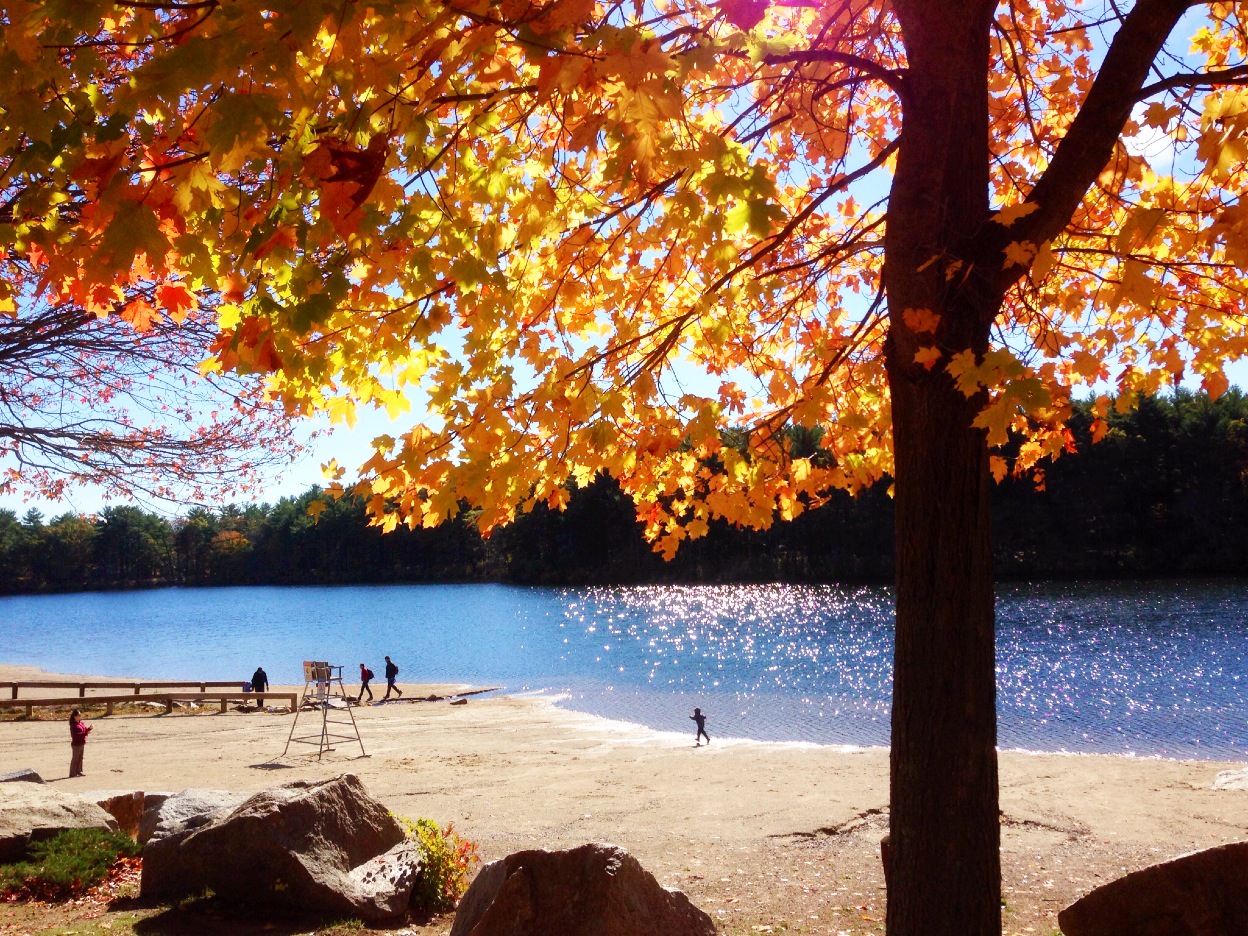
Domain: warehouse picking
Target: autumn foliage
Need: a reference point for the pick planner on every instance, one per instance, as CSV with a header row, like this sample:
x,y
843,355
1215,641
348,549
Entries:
x,y
590,236
544,218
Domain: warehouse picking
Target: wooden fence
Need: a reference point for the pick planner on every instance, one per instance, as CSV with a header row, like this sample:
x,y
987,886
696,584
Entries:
x,y
167,698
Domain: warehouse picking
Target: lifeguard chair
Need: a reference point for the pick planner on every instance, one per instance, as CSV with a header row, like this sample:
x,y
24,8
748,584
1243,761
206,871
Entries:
x,y
319,680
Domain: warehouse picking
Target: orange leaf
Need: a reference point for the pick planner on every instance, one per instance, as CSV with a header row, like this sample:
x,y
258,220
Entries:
x,y
140,314
176,299
928,355
920,320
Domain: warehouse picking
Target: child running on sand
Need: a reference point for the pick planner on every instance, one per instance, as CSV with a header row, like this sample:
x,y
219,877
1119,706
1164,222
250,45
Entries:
x,y
700,720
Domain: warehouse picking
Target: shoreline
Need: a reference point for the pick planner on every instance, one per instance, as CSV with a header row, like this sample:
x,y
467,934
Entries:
x,y
757,833
553,698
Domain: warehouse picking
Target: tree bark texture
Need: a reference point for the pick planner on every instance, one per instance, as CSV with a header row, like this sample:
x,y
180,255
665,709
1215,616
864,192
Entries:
x,y
945,838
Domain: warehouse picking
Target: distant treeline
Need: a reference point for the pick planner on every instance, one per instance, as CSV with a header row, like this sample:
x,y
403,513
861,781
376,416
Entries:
x,y
1164,493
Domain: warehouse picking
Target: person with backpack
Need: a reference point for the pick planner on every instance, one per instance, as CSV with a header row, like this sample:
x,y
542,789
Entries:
x,y
365,675
392,673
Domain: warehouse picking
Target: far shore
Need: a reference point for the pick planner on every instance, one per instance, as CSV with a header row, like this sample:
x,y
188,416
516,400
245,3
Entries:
x,y
756,833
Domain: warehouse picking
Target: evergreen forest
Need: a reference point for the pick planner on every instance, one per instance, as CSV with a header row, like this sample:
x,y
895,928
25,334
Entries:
x,y
1164,493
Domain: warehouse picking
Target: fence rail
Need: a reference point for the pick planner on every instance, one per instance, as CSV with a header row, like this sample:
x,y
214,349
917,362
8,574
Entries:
x,y
136,686
168,698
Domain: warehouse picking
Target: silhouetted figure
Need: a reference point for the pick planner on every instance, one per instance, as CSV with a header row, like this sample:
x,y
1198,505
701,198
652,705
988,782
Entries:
x,y
259,683
78,731
700,720
392,673
365,675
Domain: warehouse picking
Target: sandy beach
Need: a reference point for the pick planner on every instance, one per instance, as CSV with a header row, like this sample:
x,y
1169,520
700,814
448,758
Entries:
x,y
766,837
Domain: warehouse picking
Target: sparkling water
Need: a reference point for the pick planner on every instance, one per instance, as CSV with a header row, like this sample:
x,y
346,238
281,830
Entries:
x,y
1141,668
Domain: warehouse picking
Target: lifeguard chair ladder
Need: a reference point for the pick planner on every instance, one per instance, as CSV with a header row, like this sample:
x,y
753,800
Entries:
x,y
319,679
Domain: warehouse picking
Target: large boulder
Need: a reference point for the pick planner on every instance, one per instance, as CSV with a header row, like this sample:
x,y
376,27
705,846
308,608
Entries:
x,y
35,811
322,846
593,890
1201,894
166,813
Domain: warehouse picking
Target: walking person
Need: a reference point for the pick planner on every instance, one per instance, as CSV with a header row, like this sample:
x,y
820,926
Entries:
x,y
700,720
78,731
365,675
392,673
259,683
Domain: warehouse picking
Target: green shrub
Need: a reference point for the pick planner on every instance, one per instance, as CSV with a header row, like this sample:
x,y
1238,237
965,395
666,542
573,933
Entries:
x,y
446,860
72,861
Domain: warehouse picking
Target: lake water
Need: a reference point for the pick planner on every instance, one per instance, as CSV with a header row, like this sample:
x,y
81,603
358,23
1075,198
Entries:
x,y
1142,668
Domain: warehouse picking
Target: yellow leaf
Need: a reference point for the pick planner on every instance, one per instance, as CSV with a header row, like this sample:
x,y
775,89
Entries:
x,y
1011,213
996,419
1043,262
315,509
1019,253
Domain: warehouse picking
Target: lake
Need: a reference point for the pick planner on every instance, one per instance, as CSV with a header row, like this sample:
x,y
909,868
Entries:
x,y
1154,669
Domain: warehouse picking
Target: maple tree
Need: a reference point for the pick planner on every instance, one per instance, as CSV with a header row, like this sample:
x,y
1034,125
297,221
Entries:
x,y
917,226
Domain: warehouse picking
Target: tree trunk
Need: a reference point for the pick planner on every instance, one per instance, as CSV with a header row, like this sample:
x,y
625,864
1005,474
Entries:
x,y
945,839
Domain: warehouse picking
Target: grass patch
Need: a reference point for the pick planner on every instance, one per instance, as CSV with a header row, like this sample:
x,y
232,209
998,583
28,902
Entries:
x,y
71,862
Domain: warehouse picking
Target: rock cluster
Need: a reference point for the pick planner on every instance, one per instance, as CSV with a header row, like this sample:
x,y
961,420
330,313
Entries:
x,y
329,847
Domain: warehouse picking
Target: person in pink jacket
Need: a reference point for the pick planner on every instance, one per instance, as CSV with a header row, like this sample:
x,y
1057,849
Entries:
x,y
78,731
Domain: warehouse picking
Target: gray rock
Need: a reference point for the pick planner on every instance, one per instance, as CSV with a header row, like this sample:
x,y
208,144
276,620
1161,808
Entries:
x,y
593,890
322,846
166,813
1231,780
1201,894
25,775
34,811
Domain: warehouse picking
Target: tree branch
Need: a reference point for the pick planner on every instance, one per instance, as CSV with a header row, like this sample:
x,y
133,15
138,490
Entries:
x,y
894,79
1236,75
1089,143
